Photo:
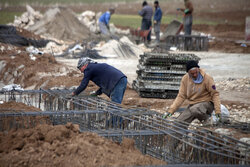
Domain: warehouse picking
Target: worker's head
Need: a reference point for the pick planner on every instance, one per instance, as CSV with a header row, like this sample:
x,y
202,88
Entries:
x,y
193,69
112,10
144,3
156,4
83,63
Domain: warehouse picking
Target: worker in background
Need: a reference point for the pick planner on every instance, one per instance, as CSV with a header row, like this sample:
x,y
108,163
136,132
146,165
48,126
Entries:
x,y
146,13
188,18
157,21
110,80
199,89
104,21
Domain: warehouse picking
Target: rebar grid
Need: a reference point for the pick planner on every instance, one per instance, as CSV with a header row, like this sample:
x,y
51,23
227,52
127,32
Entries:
x,y
164,139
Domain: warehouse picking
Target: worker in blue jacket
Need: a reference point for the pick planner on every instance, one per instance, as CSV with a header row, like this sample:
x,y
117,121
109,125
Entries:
x,y
111,81
157,20
104,21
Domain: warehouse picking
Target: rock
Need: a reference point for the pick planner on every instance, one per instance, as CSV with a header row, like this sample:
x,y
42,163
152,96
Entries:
x,y
223,131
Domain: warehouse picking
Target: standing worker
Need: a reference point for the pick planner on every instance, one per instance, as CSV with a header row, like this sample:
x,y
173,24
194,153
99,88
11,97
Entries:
x,y
146,13
188,18
111,81
104,21
199,89
157,21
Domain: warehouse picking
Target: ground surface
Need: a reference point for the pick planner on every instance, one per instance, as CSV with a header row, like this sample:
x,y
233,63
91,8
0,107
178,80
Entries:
x,y
64,145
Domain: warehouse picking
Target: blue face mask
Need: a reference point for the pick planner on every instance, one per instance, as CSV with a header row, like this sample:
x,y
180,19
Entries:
x,y
199,79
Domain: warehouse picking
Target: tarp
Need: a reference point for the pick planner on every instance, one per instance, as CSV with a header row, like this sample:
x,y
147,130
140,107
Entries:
x,y
9,35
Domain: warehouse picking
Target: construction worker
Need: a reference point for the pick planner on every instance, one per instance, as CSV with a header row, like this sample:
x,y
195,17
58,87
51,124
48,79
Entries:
x,y
157,21
188,18
111,81
104,21
199,89
146,13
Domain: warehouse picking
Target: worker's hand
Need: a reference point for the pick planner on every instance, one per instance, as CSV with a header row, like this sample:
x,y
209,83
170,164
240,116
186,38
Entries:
x,y
166,114
155,21
178,9
93,94
218,116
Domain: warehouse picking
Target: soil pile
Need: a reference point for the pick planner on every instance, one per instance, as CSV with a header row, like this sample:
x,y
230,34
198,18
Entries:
x,y
61,23
63,145
34,70
12,105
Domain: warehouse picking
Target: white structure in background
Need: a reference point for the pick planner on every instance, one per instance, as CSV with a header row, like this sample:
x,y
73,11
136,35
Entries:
x,y
27,18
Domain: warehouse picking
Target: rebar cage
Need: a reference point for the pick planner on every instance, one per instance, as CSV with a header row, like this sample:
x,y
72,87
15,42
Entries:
x,y
165,139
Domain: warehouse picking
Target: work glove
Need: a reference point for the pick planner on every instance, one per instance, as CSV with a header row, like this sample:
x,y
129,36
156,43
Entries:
x,y
155,21
178,9
218,116
166,114
93,94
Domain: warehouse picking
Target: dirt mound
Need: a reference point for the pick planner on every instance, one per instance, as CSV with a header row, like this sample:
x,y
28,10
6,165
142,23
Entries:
x,y
20,67
12,105
62,145
61,23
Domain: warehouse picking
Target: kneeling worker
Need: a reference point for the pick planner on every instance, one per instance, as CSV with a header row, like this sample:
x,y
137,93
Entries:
x,y
199,88
111,81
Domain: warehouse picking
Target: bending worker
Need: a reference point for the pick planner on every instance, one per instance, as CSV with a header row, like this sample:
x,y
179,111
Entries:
x,y
111,81
188,18
104,21
199,89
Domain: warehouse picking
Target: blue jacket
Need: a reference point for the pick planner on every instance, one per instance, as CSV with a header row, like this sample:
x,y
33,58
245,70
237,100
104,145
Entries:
x,y
105,17
103,75
158,14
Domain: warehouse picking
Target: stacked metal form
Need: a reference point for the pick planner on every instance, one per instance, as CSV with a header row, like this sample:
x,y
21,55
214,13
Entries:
x,y
165,139
188,42
159,74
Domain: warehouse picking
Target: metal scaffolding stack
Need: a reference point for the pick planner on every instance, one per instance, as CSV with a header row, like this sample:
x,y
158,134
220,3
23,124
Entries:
x,y
188,42
166,139
159,74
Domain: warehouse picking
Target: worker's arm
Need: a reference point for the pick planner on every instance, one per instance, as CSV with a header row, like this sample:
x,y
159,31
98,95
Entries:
x,y
83,85
98,92
180,98
214,94
142,12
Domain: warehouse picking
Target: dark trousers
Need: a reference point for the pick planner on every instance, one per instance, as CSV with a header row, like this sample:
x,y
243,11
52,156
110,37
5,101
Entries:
x,y
145,25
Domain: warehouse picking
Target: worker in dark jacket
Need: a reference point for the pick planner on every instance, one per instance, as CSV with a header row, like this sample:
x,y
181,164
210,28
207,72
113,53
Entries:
x,y
111,81
157,21
146,13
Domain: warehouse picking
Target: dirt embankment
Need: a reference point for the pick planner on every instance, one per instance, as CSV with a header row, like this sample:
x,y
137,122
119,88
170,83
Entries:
x,y
12,105
63,145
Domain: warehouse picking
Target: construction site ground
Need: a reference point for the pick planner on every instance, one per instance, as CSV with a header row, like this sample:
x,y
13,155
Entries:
x,y
227,61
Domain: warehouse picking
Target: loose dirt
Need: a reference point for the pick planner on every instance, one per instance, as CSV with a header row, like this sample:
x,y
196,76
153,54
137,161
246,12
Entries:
x,y
63,145
12,105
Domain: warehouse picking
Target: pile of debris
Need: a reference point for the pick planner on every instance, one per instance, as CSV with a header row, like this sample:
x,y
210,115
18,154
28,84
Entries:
x,y
61,23
159,75
28,18
119,48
